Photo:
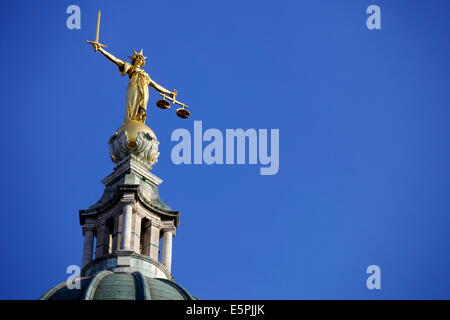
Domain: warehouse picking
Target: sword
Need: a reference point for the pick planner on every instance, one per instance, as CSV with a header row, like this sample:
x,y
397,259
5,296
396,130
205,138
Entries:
x,y
97,34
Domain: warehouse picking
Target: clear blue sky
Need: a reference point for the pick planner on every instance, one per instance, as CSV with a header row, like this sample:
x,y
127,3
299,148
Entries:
x,y
364,159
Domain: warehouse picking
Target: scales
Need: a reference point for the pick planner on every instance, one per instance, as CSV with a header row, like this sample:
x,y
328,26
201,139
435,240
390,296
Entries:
x,y
182,112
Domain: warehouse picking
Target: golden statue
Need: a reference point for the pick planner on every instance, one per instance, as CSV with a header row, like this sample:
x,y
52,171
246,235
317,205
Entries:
x,y
134,138
137,92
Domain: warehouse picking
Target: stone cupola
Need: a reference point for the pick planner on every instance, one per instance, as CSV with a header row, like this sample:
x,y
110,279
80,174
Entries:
x,y
130,228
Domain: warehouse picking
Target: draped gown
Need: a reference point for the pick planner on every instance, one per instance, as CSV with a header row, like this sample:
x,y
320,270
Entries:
x,y
137,93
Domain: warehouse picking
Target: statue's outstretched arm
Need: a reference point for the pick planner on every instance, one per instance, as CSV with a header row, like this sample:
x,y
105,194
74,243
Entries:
x,y
111,58
159,87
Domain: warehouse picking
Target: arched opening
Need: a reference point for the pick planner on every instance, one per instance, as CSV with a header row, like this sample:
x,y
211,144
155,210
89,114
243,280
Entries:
x,y
109,235
94,245
144,246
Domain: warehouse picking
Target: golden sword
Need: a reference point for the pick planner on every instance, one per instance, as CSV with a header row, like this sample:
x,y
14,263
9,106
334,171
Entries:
x,y
97,34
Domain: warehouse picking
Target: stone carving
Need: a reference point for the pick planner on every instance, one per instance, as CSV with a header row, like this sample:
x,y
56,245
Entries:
x,y
145,148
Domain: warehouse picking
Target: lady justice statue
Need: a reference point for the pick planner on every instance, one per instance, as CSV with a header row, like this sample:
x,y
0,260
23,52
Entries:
x,y
134,137
137,92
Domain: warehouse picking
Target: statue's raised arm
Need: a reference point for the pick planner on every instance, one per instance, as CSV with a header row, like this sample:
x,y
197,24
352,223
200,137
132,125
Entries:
x,y
109,56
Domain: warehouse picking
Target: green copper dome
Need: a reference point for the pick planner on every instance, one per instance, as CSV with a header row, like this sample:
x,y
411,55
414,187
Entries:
x,y
107,285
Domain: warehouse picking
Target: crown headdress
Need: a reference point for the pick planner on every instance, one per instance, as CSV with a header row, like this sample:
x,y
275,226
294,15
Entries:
x,y
136,54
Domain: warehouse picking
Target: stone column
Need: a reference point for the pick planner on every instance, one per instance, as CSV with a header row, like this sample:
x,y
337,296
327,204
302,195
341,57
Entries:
x,y
88,246
167,249
126,226
135,232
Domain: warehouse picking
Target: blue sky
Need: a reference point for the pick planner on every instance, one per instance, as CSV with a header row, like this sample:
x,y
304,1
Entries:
x,y
363,179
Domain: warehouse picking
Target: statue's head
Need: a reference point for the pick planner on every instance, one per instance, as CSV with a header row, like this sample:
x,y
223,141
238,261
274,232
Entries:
x,y
138,58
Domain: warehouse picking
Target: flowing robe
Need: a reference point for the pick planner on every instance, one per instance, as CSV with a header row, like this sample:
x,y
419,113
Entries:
x,y
137,93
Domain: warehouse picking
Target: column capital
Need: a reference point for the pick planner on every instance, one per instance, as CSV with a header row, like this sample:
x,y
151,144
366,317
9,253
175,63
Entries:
x,y
153,223
87,228
127,198
101,223
168,226
171,230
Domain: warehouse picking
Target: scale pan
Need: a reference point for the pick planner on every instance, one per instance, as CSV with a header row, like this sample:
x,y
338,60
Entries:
x,y
163,104
183,113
